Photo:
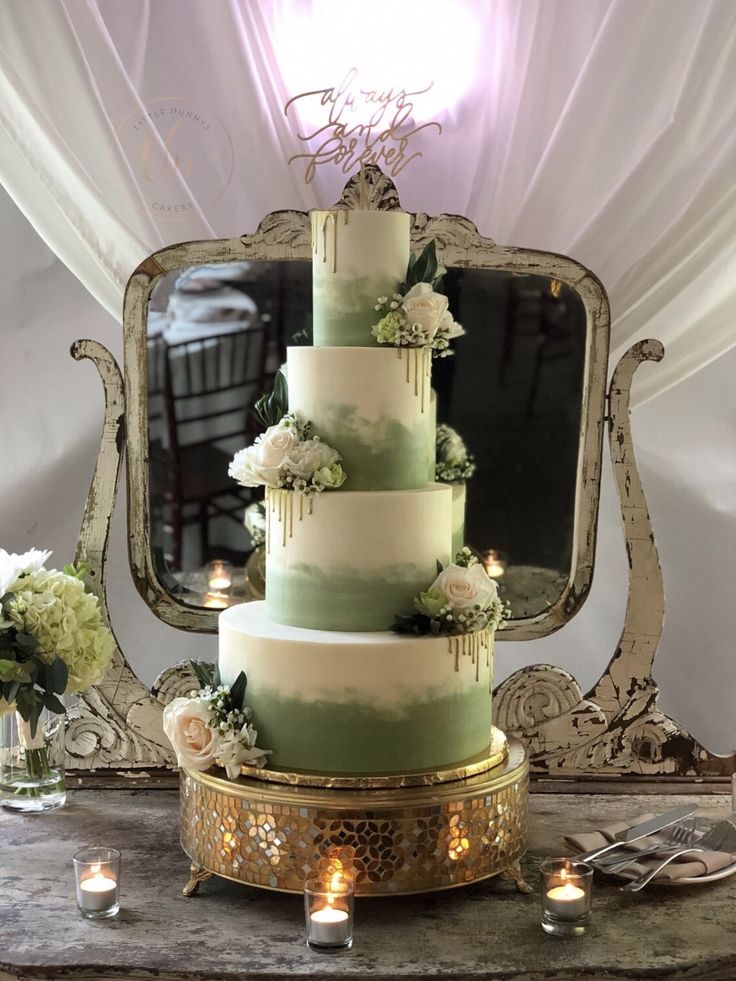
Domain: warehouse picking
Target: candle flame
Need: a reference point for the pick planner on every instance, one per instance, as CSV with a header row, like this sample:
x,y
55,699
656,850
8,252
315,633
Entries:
x,y
95,869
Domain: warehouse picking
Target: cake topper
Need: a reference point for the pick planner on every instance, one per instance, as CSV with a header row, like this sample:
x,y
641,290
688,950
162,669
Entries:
x,y
361,125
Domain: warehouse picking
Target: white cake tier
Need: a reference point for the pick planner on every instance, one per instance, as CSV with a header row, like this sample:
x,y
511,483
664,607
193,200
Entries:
x,y
352,560
373,405
352,703
357,257
458,516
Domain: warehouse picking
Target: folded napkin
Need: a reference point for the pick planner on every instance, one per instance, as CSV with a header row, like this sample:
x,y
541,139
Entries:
x,y
688,866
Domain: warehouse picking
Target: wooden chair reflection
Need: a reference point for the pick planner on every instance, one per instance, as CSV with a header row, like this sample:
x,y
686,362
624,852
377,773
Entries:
x,y
209,386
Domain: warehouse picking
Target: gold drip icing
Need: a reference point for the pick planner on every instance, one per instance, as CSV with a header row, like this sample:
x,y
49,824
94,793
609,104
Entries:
x,y
321,232
418,364
471,645
280,502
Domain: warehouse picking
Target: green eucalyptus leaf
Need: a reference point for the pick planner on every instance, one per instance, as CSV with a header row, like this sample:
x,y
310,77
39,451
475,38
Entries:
x,y
237,690
271,408
57,676
14,671
201,673
24,700
53,704
27,641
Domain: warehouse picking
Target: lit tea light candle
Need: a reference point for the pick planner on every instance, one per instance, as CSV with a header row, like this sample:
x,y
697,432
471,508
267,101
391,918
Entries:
x,y
219,576
566,896
97,893
330,926
494,563
98,875
567,902
328,904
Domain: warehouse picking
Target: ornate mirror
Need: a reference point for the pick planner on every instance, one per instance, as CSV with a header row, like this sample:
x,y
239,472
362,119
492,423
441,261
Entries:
x,y
207,325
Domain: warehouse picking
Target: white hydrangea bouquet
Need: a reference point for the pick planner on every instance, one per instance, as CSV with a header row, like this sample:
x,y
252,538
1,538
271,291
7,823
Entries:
x,y
214,727
461,600
52,641
418,315
287,455
454,465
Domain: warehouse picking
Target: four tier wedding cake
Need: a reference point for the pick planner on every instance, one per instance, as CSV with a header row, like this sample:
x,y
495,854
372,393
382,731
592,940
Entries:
x,y
372,652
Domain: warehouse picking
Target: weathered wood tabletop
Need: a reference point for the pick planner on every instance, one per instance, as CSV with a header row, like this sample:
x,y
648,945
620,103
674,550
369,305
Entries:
x,y
231,932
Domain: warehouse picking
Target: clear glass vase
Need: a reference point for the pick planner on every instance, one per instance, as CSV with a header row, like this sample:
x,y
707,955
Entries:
x,y
32,767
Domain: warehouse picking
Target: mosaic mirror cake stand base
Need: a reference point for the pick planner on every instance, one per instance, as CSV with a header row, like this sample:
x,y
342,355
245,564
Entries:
x,y
399,834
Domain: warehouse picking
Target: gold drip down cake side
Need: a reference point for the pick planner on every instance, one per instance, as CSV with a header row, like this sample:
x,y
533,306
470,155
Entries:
x,y
332,689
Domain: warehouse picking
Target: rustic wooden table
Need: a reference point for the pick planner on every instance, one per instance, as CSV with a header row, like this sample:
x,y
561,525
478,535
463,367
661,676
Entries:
x,y
232,932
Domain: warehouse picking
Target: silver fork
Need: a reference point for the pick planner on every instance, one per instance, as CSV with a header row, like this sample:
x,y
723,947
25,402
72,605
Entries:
x,y
636,884
721,837
677,836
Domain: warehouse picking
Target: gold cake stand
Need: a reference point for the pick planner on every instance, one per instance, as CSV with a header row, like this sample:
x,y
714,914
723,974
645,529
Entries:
x,y
447,831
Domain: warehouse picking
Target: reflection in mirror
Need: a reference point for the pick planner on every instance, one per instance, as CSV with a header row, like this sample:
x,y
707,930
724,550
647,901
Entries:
x,y
513,391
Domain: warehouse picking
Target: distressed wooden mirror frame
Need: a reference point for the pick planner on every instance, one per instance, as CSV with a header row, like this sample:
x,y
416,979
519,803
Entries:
x,y
616,729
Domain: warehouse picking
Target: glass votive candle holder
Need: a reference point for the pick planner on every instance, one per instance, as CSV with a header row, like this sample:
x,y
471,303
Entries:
x,y
97,873
566,895
219,577
329,901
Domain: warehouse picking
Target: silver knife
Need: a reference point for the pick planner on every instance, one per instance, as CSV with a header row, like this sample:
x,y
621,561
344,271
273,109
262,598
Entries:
x,y
641,831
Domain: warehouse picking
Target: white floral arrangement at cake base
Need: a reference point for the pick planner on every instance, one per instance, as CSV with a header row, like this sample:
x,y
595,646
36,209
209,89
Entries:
x,y
453,465
462,600
214,727
288,457
418,315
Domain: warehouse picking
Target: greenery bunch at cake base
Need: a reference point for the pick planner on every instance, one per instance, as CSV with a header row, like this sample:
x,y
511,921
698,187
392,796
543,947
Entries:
x,y
417,314
52,641
214,726
453,464
287,456
463,599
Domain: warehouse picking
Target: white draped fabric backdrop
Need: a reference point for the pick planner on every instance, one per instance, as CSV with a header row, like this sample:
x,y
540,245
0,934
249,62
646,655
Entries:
x,y
603,129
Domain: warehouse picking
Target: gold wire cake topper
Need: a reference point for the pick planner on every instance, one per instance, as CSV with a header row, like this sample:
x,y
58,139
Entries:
x,y
362,125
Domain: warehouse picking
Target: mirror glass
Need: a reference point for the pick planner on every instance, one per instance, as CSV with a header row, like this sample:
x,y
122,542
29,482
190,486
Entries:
x,y
216,335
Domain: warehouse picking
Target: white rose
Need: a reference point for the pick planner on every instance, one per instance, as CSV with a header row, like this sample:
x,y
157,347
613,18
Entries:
x,y
244,469
466,588
186,724
449,327
273,447
262,462
309,456
425,307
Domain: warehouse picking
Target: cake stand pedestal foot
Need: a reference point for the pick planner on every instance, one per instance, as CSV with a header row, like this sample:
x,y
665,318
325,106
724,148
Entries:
x,y
196,875
513,874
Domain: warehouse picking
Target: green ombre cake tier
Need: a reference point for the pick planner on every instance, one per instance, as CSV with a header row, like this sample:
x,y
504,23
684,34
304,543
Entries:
x,y
352,560
358,256
372,405
359,703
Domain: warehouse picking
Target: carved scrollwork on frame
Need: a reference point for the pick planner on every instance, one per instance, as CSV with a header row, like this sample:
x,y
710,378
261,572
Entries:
x,y
617,728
